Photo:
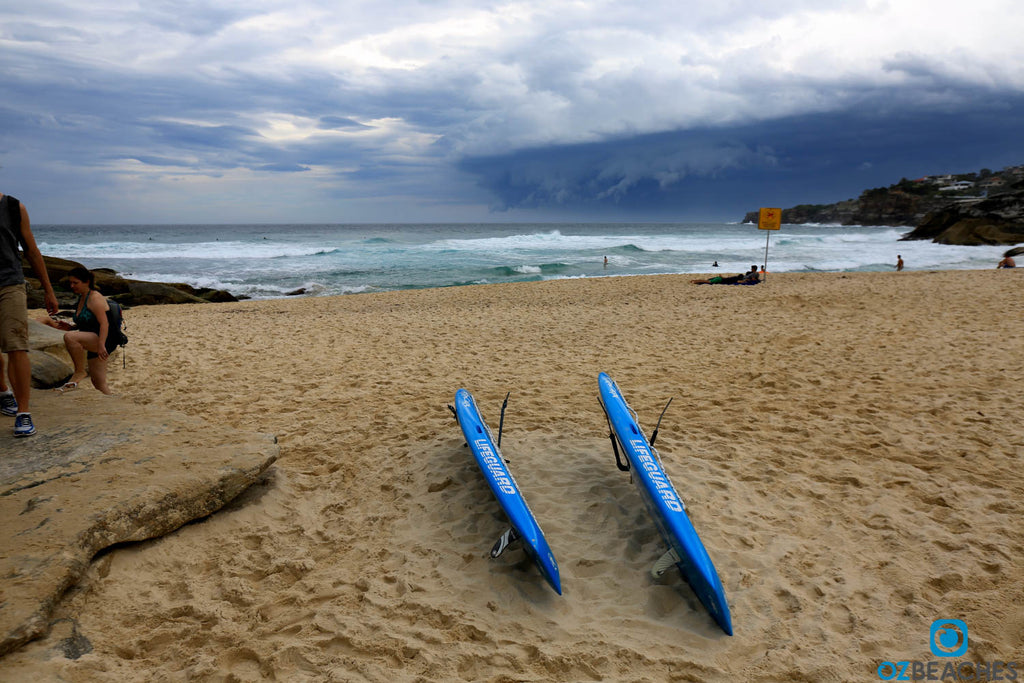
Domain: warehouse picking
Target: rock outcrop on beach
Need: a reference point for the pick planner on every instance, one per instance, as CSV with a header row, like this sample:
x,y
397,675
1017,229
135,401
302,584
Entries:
x,y
102,471
51,365
125,291
996,220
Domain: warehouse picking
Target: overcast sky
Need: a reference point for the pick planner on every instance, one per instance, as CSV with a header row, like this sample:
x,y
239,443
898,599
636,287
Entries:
x,y
165,111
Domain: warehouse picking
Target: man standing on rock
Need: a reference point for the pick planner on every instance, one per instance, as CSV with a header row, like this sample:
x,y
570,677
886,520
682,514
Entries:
x,y
14,230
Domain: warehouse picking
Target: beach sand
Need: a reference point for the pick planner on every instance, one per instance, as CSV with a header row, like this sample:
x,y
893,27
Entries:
x,y
849,447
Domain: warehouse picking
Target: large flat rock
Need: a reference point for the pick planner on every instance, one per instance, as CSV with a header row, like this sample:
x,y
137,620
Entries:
x,y
101,471
51,364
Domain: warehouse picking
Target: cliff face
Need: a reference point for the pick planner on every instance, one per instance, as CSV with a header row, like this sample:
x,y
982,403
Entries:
x,y
874,207
996,220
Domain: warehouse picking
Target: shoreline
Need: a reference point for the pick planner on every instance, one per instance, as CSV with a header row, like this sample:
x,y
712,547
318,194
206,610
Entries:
x,y
328,262
297,295
848,446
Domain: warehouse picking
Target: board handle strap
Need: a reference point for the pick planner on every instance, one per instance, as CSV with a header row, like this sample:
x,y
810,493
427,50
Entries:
x,y
501,422
654,435
615,446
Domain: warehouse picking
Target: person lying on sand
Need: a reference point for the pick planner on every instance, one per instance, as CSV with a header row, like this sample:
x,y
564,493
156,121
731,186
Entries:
x,y
750,276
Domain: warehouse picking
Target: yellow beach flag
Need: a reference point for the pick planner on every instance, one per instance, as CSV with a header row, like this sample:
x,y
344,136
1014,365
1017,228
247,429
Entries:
x,y
769,219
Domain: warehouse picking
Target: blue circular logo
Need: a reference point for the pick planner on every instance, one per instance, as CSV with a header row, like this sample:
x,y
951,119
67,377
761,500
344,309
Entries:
x,y
948,638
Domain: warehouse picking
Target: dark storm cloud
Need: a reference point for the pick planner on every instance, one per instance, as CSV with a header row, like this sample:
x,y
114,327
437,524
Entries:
x,y
613,109
723,172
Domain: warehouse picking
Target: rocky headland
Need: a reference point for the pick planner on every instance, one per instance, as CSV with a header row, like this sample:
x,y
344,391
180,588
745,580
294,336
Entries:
x,y
995,220
973,209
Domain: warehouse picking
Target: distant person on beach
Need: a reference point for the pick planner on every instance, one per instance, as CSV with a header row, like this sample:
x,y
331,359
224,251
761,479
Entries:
x,y
899,263
715,264
752,275
15,230
605,261
95,334
1007,262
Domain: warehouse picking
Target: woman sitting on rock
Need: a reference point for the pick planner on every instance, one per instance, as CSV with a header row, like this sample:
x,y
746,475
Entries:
x,y
94,335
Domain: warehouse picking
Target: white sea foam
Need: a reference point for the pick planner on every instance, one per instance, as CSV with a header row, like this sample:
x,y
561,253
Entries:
x,y
199,250
347,259
555,240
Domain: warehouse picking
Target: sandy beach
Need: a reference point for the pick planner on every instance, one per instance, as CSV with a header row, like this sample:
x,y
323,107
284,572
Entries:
x,y
849,447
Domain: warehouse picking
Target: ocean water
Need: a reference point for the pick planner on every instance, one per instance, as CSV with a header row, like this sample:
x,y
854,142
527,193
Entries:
x,y
266,261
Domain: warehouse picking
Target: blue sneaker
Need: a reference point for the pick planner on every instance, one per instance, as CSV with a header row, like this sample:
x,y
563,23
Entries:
x,y
23,425
8,405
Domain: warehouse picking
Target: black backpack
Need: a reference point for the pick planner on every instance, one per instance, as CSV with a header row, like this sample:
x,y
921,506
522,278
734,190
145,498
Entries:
x,y
116,327
115,316
14,220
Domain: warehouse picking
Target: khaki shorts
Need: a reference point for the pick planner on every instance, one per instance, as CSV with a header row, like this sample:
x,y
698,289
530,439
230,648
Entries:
x,y
13,318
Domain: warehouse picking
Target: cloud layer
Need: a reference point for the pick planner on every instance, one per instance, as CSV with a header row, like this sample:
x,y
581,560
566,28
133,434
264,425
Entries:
x,y
319,111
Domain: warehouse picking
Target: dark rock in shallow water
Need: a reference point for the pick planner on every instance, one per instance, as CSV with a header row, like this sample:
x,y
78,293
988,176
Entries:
x,y
124,291
297,292
996,220
142,293
217,296
212,295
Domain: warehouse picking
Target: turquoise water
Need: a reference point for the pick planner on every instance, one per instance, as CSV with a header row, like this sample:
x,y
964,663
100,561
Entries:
x,y
263,261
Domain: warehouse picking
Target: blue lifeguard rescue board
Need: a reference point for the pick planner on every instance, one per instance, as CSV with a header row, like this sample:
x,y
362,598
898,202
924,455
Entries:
x,y
492,464
665,505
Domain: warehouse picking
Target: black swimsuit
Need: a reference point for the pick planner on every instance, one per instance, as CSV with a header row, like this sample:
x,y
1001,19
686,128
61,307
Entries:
x,y
87,322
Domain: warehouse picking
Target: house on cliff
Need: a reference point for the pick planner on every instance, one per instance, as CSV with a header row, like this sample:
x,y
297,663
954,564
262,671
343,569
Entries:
x,y
957,186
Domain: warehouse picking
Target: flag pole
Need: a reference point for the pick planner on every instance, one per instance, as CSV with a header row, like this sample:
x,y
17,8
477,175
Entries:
x,y
767,237
768,219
